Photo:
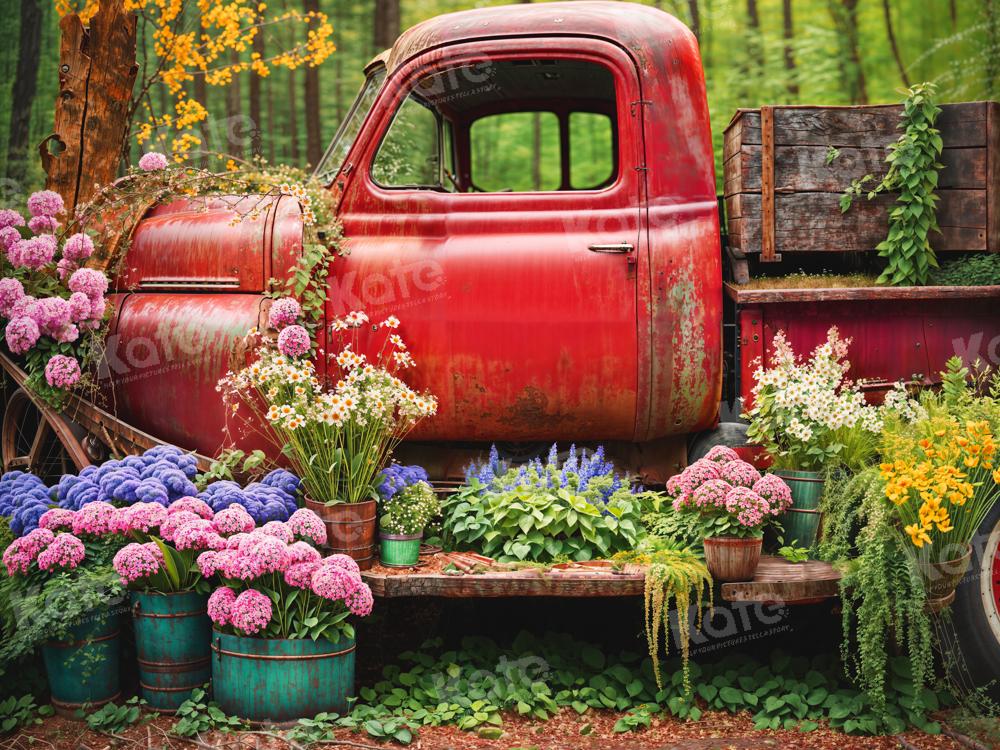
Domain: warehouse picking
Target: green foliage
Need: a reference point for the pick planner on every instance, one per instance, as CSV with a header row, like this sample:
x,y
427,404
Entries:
x,y
311,731
682,529
409,510
198,715
230,464
913,174
794,554
17,712
882,594
114,719
541,524
980,269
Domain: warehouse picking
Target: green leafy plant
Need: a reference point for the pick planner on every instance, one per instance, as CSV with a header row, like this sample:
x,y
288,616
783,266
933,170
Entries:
x,y
311,731
198,714
681,529
17,712
913,174
637,719
980,269
229,464
114,719
794,554
410,509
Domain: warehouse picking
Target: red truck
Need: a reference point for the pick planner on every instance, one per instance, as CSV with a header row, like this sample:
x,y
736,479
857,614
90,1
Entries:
x,y
583,300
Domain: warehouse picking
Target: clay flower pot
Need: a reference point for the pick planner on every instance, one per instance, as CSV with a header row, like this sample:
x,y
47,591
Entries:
x,y
731,558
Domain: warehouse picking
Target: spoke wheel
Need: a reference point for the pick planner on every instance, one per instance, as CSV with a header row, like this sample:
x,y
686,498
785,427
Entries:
x,y
29,443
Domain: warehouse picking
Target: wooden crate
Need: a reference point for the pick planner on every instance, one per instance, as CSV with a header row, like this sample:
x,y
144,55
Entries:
x,y
782,196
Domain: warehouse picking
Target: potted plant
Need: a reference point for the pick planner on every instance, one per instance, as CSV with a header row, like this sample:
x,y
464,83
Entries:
x,y
283,642
407,507
337,438
736,504
810,418
68,601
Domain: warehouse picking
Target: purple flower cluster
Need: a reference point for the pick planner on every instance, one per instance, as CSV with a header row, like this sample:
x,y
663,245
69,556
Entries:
x,y
271,499
25,499
45,203
397,477
34,253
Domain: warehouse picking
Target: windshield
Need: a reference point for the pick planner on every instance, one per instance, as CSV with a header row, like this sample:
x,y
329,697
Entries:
x,y
333,159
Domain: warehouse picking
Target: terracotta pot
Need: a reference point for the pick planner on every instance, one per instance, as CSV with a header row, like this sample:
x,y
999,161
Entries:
x,y
350,529
941,579
731,558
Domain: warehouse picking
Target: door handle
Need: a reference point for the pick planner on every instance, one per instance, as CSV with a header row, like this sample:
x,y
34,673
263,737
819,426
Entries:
x,y
619,248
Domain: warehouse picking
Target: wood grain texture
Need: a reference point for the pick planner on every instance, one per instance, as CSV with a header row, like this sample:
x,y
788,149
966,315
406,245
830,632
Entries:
x,y
993,177
850,294
780,581
767,215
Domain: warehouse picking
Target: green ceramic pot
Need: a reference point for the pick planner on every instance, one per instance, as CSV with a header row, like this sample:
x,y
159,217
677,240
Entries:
x,y
399,550
802,521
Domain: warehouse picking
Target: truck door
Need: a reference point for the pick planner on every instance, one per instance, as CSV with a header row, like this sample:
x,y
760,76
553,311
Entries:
x,y
492,203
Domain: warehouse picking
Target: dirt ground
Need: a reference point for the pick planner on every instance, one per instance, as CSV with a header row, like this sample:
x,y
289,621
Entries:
x,y
716,731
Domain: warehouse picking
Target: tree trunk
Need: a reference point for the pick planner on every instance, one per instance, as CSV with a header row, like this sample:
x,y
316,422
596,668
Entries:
x,y
752,71
386,23
845,17
256,120
97,71
891,33
293,118
695,18
788,32
992,47
23,89
314,139
201,96
234,111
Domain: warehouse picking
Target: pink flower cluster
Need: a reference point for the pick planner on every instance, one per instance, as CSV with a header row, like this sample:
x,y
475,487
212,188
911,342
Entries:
x,y
35,252
17,558
722,484
284,312
249,612
62,371
65,551
96,518
307,525
135,561
152,162
293,341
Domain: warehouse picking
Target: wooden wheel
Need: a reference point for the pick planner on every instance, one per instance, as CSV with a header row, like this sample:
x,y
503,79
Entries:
x,y
32,440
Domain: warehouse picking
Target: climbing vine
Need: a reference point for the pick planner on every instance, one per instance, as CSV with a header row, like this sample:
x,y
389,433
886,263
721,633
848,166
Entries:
x,y
913,173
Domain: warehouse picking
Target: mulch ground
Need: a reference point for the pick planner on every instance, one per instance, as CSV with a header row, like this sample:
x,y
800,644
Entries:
x,y
715,731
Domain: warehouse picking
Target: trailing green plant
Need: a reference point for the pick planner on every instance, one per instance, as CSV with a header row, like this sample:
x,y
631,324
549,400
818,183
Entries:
x,y
198,715
114,719
980,269
17,712
913,174
230,464
882,594
577,509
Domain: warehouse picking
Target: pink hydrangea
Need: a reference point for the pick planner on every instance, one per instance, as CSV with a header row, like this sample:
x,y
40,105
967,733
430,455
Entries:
x,y
66,551
344,562
334,583
271,553
67,334
305,524
360,601
64,268
712,494
193,504
45,203
135,561
299,552
152,162
21,334
11,292
240,566
208,562
62,371
88,281
173,523
220,606
143,517
299,575
251,612
293,341
34,253
155,551
50,314
19,555
775,492
279,530
78,248
721,454
747,506
22,307
739,473
80,307
8,238
233,520
10,218
236,540
57,519
284,312
98,306
95,518
198,534
43,224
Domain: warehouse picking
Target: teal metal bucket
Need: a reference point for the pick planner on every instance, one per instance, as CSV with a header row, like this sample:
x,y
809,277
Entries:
x,y
82,667
281,680
398,550
802,521
173,638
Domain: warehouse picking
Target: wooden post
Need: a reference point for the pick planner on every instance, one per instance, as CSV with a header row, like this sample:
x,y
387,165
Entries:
x,y
993,177
767,249
97,70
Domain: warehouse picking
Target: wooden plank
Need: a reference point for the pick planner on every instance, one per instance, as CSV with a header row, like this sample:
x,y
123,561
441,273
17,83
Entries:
x,y
993,179
778,580
849,294
767,218
805,169
813,222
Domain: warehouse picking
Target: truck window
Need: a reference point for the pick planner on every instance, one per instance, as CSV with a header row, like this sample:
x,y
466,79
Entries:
x,y
519,125
348,131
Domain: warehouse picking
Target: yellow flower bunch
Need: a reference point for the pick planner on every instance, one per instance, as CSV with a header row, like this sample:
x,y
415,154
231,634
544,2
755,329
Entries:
x,y
941,482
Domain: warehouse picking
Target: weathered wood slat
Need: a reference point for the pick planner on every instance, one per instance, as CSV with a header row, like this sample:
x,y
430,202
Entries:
x,y
813,222
850,294
778,580
993,176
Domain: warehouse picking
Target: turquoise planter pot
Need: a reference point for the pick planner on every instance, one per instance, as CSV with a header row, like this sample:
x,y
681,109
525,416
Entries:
x,y
802,521
82,667
173,638
279,680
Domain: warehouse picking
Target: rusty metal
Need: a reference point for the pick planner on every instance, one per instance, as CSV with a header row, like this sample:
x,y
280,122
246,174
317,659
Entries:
x,y
277,657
